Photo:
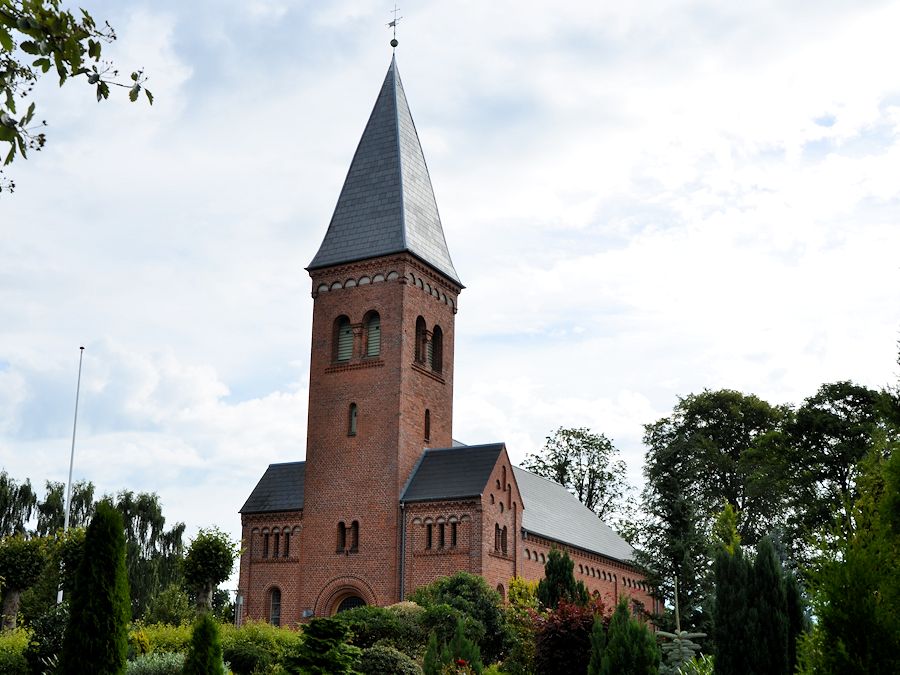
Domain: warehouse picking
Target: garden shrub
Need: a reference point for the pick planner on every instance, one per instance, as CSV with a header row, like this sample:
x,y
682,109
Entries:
x,y
412,633
171,606
563,639
460,655
385,660
47,637
12,651
324,650
257,645
165,638
629,646
370,625
158,663
204,656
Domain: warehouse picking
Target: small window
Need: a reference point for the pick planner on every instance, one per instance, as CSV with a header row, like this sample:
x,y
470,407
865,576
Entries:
x,y
275,607
266,545
373,335
351,424
343,340
275,548
437,349
441,531
354,537
496,537
502,592
453,534
287,545
503,540
341,537
421,339
427,425
428,534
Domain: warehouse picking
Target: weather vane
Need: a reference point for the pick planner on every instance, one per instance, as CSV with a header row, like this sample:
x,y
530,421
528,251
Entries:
x,y
393,24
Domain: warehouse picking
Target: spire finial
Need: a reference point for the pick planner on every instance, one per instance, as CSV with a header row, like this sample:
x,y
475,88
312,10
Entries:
x,y
393,24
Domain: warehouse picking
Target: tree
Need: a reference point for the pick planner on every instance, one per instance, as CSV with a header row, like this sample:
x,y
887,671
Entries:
x,y
459,654
630,648
731,632
21,563
35,36
17,504
204,656
563,638
96,639
324,650
767,619
171,606
479,603
828,437
587,464
559,582
52,510
209,561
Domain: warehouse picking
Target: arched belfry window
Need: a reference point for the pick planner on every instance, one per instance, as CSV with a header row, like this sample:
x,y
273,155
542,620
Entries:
x,y
343,339
437,349
373,335
421,340
351,423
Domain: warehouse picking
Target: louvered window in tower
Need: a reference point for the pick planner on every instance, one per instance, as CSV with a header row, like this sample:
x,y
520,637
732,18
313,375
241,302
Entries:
x,y
429,353
373,335
437,349
343,348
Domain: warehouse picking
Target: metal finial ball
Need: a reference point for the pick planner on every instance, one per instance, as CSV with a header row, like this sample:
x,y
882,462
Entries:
x,y
394,42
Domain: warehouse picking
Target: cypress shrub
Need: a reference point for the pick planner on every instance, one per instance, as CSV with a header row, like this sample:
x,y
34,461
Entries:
x,y
96,640
324,650
559,582
768,619
204,656
730,628
630,647
598,645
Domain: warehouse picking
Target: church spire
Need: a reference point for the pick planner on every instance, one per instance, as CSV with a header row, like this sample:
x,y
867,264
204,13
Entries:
x,y
387,203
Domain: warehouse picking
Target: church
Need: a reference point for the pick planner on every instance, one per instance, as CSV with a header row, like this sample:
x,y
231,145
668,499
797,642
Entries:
x,y
386,500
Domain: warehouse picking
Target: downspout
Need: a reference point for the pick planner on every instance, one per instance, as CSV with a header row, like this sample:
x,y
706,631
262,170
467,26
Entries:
x,y
402,584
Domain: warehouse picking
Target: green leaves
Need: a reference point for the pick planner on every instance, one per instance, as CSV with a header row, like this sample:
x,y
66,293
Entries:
x,y
6,41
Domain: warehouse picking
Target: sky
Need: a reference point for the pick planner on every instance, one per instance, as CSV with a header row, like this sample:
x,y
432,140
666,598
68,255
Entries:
x,y
644,200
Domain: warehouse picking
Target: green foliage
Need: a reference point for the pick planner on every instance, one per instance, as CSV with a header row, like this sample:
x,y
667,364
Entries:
x,y
13,644
598,645
209,562
520,610
433,661
21,563
767,619
559,582
64,551
563,639
158,663
46,640
170,606
96,638
35,37
370,625
17,502
323,650
725,531
588,465
459,655
630,646
166,637
51,510
204,656
730,620
385,660
856,593
257,646
478,602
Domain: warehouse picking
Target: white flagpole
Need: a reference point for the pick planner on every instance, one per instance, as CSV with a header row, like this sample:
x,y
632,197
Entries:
x,y
59,595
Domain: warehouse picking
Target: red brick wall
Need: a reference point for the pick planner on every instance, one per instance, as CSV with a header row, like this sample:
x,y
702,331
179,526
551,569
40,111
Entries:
x,y
424,565
501,506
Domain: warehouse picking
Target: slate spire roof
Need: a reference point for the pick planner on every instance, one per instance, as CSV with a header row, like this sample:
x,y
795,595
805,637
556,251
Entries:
x,y
387,203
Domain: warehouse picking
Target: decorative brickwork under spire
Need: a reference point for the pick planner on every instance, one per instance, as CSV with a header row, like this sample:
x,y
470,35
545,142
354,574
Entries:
x,y
387,203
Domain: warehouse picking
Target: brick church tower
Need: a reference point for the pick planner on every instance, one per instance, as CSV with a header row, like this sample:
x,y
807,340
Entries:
x,y
381,373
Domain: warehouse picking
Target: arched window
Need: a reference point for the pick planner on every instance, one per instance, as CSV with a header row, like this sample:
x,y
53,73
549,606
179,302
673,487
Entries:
x,y
350,603
503,540
373,335
275,606
341,537
354,537
277,540
496,537
453,533
442,529
502,592
421,339
265,544
437,349
428,535
343,339
351,424
287,544
427,425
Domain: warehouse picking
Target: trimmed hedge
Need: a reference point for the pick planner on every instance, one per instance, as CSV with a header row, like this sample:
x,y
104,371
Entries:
x,y
384,660
159,663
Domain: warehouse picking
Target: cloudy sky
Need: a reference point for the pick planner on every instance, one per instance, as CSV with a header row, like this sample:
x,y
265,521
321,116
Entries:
x,y
643,199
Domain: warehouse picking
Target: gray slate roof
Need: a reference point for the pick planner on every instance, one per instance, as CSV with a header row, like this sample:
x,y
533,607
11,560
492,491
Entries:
x,y
452,473
280,489
387,203
553,512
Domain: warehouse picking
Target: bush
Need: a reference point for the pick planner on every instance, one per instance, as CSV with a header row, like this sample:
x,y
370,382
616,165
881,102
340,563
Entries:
x,y
369,625
563,642
205,654
323,650
160,663
47,637
384,660
12,651
165,638
257,645
170,606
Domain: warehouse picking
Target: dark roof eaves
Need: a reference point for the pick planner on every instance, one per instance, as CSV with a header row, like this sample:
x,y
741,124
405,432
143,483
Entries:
x,y
416,500
347,261
299,508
